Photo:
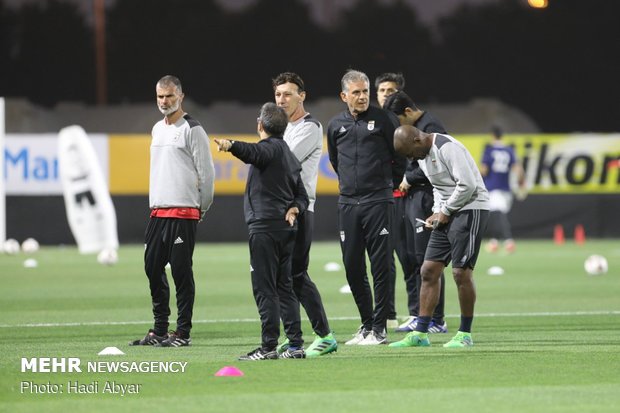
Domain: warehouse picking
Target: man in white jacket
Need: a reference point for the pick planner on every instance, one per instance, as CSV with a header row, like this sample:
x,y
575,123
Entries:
x,y
180,193
304,136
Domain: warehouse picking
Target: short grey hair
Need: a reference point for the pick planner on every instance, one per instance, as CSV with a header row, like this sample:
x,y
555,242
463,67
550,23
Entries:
x,y
353,76
273,118
169,80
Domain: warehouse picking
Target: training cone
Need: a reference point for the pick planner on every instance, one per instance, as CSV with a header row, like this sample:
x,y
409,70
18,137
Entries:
x,y
614,163
558,234
580,235
110,351
229,371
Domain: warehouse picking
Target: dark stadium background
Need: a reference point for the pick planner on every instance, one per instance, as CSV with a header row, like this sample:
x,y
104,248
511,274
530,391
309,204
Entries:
x,y
557,65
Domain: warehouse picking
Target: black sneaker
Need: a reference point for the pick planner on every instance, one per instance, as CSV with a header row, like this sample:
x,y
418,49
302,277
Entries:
x,y
150,339
293,353
260,354
175,340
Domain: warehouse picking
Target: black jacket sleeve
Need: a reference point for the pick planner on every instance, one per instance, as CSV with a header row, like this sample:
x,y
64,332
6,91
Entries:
x,y
399,162
301,197
332,151
258,154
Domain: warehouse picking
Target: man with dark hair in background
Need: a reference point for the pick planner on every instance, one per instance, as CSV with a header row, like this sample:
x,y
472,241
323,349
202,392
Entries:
x,y
419,205
387,84
180,193
304,136
361,151
274,197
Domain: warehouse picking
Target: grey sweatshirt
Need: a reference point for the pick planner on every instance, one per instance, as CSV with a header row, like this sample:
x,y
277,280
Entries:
x,y
305,139
457,183
182,172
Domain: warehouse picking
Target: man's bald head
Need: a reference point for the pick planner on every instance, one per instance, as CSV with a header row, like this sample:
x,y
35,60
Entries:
x,y
411,142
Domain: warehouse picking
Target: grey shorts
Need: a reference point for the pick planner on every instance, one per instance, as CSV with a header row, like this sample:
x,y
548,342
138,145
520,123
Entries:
x,y
459,240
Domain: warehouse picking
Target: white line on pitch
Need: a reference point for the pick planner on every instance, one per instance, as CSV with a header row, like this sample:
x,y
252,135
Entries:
x,y
252,320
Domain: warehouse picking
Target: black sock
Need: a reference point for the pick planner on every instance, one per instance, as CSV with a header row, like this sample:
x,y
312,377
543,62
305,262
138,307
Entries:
x,y
423,322
466,324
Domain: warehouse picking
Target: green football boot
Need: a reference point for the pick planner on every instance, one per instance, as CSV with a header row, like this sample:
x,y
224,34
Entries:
x,y
283,347
461,339
321,346
413,339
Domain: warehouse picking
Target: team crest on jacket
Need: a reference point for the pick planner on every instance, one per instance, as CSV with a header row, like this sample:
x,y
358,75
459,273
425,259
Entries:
x,y
342,236
371,124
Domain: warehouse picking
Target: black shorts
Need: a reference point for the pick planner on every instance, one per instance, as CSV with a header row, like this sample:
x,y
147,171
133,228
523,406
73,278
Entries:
x,y
459,240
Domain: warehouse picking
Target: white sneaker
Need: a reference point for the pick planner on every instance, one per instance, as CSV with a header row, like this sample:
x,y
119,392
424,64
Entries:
x,y
433,327
408,325
358,337
373,339
391,323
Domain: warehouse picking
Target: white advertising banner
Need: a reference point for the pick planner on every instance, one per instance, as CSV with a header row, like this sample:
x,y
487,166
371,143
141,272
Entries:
x,y
31,163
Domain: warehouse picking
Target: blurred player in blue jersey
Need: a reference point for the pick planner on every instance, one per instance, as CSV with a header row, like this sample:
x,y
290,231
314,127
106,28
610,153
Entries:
x,y
499,161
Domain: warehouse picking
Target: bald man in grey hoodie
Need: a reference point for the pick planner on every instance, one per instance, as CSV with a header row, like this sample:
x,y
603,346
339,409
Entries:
x,y
460,214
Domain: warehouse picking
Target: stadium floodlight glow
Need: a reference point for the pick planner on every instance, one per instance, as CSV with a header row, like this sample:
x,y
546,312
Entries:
x,y
538,4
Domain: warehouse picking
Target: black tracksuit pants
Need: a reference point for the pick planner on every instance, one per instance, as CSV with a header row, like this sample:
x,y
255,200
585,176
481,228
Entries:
x,y
420,205
271,255
366,227
399,234
305,289
171,240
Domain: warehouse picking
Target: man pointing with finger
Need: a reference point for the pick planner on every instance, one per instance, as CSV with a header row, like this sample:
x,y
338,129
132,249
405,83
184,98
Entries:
x,y
274,197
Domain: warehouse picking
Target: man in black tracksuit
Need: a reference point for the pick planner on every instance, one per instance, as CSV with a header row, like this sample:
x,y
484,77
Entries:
x,y
361,151
419,205
274,197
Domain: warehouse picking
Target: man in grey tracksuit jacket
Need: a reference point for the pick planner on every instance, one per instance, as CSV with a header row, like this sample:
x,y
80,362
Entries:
x,y
180,193
460,214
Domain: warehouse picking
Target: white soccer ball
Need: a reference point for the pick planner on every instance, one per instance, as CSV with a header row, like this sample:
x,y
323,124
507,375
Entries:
x,y
30,246
11,246
107,256
596,265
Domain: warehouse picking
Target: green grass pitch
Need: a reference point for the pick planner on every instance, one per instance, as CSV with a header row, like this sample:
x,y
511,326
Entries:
x,y
547,338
